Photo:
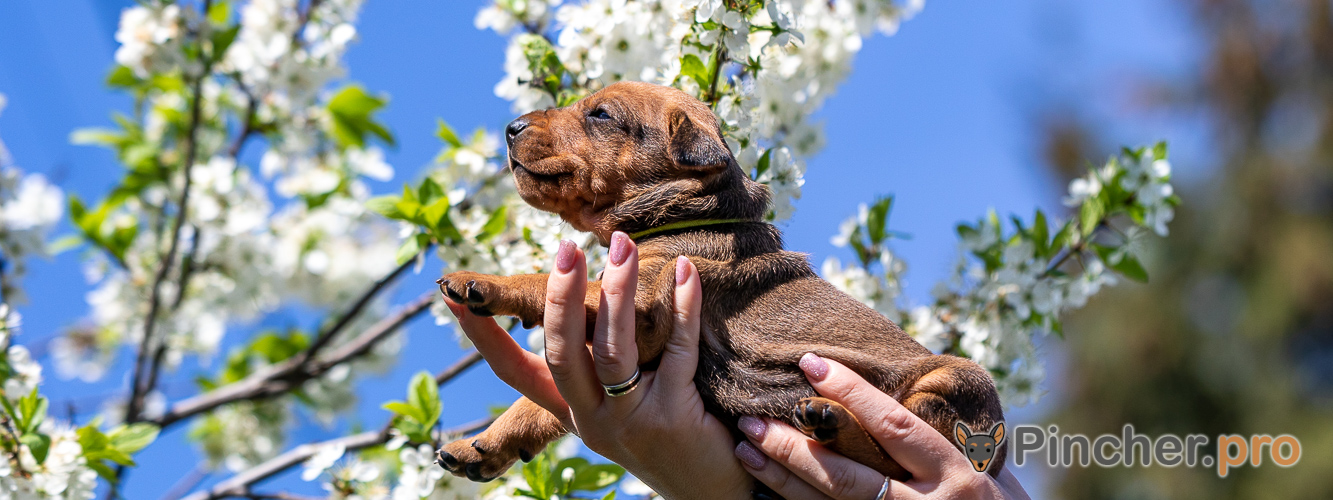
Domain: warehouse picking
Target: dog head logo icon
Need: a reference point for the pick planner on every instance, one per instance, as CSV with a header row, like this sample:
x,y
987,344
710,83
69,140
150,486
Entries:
x,y
979,448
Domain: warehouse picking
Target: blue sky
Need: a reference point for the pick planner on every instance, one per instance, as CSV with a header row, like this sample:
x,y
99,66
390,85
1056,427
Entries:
x,y
945,115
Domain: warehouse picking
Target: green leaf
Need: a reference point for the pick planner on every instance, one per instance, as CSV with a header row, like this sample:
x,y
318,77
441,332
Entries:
x,y
352,110
435,212
1041,233
64,243
92,439
222,40
425,395
764,162
495,224
96,137
405,410
111,454
1090,215
596,477
693,67
134,437
446,134
429,192
102,470
1131,268
39,443
121,77
32,411
220,12
610,495
1062,237
1159,151
408,251
410,208
387,206
877,220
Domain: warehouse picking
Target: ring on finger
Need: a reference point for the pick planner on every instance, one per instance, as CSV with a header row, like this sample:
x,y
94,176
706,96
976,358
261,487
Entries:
x,y
625,387
883,490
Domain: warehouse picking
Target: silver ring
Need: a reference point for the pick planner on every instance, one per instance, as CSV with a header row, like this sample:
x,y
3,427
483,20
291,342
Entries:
x,y
625,387
883,490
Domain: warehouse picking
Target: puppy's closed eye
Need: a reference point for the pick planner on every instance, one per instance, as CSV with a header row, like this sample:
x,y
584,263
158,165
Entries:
x,y
599,114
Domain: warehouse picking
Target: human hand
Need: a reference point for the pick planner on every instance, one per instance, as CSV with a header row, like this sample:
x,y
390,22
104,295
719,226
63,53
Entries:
x,y
798,468
659,431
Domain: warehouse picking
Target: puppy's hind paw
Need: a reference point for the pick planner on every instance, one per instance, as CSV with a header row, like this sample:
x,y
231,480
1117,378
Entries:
x,y
478,459
820,418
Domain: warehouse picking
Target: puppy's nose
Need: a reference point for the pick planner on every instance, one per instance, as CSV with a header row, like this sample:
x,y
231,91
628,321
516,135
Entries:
x,y
515,127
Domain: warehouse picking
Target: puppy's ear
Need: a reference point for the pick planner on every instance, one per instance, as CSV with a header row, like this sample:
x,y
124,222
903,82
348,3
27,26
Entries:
x,y
694,146
961,433
997,432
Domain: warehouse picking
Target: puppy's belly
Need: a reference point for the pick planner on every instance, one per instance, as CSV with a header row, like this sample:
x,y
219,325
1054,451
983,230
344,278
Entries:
x,y
748,366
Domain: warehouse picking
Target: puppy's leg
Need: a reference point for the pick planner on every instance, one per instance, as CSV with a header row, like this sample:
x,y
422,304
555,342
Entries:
x,y
952,390
519,433
522,296
832,425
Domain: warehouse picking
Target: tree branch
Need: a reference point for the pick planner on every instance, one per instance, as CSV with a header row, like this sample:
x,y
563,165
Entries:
x,y
290,374
239,485
352,312
139,388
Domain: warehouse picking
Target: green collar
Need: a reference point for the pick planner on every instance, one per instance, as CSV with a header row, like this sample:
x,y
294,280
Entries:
x,y
682,225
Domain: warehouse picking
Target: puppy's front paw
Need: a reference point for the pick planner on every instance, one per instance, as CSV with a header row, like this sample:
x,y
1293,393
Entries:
x,y
479,292
820,418
481,458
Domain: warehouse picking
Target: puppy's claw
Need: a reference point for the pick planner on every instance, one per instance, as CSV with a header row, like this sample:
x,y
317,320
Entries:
x,y
449,291
473,295
447,461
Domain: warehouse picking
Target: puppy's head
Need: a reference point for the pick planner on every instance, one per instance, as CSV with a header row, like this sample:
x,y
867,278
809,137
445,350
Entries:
x,y
630,157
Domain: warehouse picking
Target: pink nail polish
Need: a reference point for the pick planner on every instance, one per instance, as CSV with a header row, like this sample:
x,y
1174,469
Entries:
x,y
814,366
564,257
619,248
750,456
753,427
682,270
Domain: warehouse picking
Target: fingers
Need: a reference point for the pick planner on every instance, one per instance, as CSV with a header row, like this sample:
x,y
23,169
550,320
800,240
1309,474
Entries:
x,y
774,475
524,371
681,355
832,474
911,442
565,323
615,355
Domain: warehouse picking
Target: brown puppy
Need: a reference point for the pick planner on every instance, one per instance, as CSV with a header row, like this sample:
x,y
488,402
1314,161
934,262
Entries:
x,y
635,157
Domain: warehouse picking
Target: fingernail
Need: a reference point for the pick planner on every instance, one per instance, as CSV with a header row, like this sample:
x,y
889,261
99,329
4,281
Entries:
x,y
619,247
682,270
456,309
750,455
564,257
814,366
753,427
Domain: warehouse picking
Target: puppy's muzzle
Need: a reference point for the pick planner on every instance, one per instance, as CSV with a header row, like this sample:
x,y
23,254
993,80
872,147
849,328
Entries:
x,y
514,128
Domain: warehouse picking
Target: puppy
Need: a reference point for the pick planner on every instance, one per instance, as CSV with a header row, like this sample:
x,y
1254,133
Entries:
x,y
642,159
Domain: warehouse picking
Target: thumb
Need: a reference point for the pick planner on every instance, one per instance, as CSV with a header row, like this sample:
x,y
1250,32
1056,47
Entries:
x,y
681,355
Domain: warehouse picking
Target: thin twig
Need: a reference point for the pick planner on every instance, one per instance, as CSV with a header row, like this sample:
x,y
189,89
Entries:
x,y
239,485
289,375
187,482
142,369
352,312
